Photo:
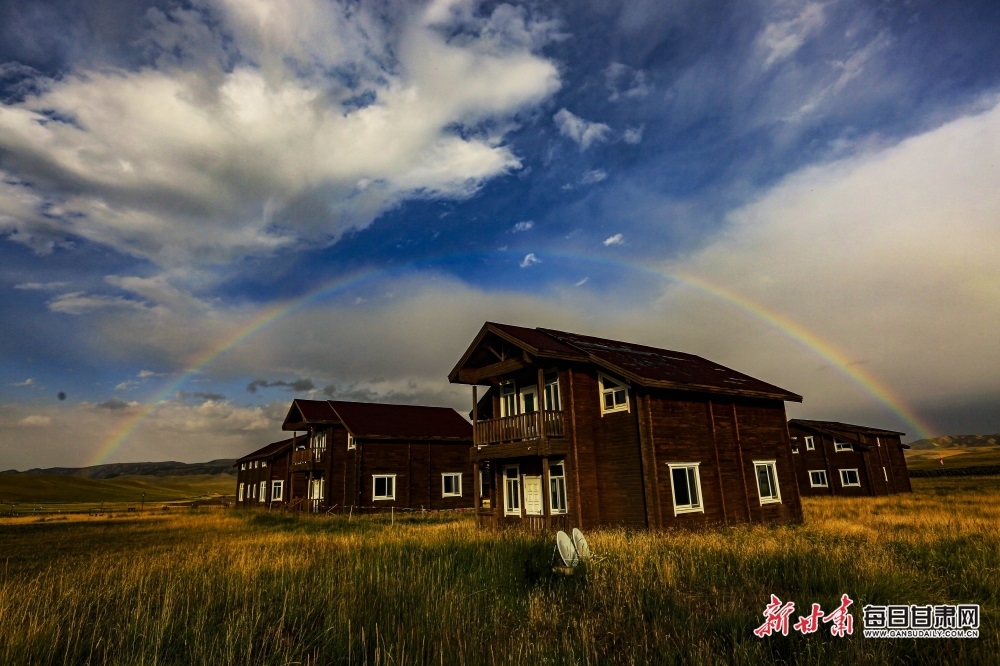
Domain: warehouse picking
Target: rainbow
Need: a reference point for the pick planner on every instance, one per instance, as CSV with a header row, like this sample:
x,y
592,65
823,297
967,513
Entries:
x,y
808,339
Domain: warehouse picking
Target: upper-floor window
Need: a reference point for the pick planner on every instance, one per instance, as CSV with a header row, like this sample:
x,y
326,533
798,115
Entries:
x,y
841,445
243,465
508,399
351,442
686,483
557,487
319,439
767,481
810,442
552,402
614,394
451,484
263,463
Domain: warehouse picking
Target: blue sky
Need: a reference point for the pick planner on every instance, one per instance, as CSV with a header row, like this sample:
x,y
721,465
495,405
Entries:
x,y
171,171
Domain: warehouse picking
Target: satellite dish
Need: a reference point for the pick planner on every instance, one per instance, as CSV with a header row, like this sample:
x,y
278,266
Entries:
x,y
581,545
566,549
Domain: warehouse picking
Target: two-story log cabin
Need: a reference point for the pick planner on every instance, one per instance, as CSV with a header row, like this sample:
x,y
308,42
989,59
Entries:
x,y
581,431
377,456
262,476
834,458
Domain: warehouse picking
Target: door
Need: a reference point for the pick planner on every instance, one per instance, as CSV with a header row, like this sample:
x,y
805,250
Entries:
x,y
532,495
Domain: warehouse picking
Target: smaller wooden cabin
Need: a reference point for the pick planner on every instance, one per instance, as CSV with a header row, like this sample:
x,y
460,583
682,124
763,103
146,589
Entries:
x,y
580,431
365,456
833,458
262,476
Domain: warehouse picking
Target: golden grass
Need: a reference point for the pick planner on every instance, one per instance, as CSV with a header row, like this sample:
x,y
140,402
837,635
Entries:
x,y
215,587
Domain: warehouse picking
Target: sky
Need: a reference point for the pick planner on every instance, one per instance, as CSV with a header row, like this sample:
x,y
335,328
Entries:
x,y
210,208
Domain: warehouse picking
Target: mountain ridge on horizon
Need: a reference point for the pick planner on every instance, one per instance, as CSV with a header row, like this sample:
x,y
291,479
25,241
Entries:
x,y
112,470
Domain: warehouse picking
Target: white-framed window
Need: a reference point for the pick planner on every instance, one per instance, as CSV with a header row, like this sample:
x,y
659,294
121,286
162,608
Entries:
x,y
552,401
263,463
878,441
256,464
511,490
277,491
241,492
614,394
263,491
817,478
767,481
451,484
319,440
685,480
810,442
383,486
253,491
508,399
849,477
557,487
795,448
529,400
316,489
841,445
351,442
243,465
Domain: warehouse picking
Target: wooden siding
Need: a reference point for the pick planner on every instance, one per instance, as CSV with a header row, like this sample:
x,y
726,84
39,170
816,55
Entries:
x,y
889,455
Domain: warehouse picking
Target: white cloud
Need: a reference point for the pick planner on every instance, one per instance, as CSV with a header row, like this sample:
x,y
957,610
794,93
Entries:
x,y
781,39
624,82
35,421
617,239
523,226
199,162
143,374
580,283
595,176
581,131
77,303
41,286
27,382
633,135
530,260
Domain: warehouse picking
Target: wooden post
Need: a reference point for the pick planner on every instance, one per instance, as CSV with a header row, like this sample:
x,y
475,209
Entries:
x,y
475,414
791,458
647,459
476,490
540,415
718,464
743,470
546,509
576,458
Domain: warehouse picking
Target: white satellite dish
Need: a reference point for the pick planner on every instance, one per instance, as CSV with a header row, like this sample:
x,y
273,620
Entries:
x,y
566,549
581,545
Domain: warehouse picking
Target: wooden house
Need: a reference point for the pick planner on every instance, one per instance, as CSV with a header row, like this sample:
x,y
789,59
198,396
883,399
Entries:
x,y
834,458
575,430
262,476
375,456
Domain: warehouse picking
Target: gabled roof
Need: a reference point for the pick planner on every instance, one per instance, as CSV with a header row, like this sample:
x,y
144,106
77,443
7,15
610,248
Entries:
x,y
368,420
836,425
647,366
268,451
373,420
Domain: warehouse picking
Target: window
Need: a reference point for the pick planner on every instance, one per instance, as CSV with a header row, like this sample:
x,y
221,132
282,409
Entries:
x,y
253,491
351,442
810,443
277,491
316,489
795,448
263,491
885,474
552,402
383,486
557,487
256,464
263,463
529,400
817,478
319,440
614,394
241,492
511,491
878,441
451,484
686,483
243,465
849,477
508,399
841,445
767,481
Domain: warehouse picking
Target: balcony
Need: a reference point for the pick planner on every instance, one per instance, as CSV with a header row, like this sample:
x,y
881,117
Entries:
x,y
307,456
519,427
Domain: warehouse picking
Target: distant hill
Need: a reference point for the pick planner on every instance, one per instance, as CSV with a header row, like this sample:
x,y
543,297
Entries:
x,y
68,489
952,441
112,470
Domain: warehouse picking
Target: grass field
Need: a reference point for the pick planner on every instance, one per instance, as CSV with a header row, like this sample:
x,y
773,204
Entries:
x,y
31,490
224,587
971,456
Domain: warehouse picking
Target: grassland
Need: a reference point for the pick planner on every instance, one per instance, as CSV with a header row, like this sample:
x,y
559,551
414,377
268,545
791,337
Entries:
x,y
32,490
223,587
977,456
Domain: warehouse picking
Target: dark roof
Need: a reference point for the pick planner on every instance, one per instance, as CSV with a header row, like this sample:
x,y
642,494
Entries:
x,y
267,451
645,365
379,420
836,425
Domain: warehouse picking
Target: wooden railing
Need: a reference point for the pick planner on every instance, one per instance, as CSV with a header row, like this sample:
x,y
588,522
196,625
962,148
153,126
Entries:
x,y
519,427
305,456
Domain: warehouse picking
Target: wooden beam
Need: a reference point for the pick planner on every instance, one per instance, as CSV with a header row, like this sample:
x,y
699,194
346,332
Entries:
x,y
718,465
478,375
743,470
